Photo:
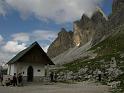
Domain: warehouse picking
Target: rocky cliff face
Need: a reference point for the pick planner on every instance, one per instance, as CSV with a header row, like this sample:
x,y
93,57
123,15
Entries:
x,y
100,22
90,29
117,16
84,30
63,42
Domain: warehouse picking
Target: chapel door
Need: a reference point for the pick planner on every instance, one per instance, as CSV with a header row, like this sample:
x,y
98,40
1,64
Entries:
x,y
30,74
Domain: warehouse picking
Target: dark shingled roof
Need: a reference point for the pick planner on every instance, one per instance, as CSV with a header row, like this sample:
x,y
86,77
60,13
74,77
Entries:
x,y
23,52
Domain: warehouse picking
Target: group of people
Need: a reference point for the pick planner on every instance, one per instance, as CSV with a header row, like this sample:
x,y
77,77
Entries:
x,y
17,80
53,77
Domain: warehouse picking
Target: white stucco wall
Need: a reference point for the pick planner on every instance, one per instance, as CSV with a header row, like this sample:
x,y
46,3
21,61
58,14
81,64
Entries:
x,y
41,68
12,69
21,67
8,70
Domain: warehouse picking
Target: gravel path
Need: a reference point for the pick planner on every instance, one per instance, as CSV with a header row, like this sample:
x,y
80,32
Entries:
x,y
82,87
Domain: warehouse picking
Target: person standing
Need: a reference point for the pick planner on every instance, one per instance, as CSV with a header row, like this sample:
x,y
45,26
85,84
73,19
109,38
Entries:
x,y
14,80
20,79
51,76
55,77
1,79
99,75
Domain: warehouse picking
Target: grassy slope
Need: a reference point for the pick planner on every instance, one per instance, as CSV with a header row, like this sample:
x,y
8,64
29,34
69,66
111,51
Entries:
x,y
110,47
113,44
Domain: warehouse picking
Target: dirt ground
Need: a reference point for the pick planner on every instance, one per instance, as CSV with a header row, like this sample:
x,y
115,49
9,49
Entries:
x,y
81,87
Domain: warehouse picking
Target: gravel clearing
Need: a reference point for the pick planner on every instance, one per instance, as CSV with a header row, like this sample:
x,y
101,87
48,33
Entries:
x,y
81,87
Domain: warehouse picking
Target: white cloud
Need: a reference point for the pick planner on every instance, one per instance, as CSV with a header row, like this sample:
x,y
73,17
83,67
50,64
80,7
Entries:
x,y
14,47
44,35
38,35
9,50
5,56
1,38
56,10
23,37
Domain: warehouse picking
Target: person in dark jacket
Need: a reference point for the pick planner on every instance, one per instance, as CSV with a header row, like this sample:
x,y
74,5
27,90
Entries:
x,y
14,80
99,75
20,79
51,76
1,79
55,77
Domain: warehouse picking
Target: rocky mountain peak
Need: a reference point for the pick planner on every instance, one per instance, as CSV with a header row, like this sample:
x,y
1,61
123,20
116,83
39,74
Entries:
x,y
99,16
62,31
85,19
63,42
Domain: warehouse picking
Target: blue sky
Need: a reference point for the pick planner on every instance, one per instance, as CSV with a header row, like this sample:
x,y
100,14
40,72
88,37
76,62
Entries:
x,y
25,21
107,6
13,23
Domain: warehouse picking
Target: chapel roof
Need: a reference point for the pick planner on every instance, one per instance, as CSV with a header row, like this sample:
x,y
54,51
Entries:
x,y
23,52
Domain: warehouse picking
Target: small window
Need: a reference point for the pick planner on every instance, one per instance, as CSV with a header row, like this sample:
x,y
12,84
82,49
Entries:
x,y
38,70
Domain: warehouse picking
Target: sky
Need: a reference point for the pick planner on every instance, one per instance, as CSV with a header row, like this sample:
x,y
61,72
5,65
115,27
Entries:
x,y
24,21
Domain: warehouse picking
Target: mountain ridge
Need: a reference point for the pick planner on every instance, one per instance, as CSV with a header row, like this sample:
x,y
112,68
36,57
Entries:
x,y
84,30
